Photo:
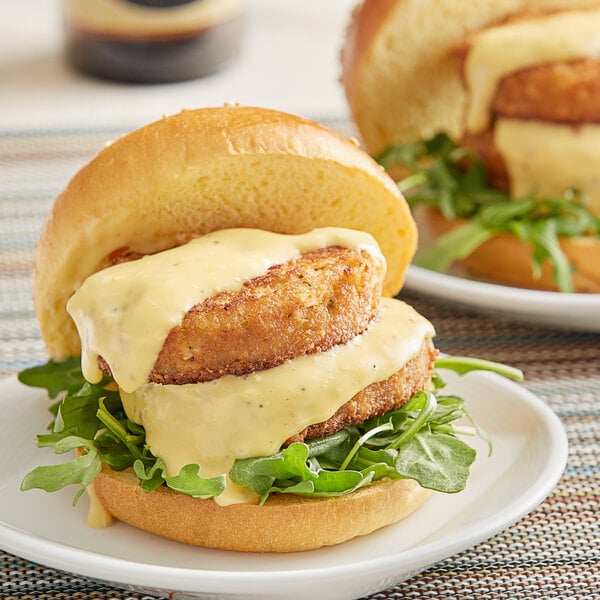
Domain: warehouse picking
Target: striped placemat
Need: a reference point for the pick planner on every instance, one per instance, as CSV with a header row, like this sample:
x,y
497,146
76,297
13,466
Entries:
x,y
552,553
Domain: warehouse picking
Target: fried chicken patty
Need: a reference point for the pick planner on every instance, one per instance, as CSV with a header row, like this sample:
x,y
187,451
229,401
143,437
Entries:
x,y
378,398
306,305
564,92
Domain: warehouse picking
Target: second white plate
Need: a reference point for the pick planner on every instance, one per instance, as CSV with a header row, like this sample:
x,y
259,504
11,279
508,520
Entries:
x,y
530,450
579,312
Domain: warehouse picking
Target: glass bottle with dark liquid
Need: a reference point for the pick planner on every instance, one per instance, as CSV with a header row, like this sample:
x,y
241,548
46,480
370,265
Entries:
x,y
152,41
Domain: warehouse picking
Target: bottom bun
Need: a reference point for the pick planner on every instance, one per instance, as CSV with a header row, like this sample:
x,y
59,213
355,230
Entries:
x,y
506,259
284,524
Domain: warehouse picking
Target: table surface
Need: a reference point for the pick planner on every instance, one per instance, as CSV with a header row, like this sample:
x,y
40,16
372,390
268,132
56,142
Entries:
x,y
52,121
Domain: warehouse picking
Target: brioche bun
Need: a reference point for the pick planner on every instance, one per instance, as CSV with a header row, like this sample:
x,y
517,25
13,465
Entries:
x,y
507,260
286,523
205,170
400,69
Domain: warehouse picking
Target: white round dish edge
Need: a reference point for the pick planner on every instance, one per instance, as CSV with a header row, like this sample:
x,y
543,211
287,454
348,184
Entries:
x,y
580,312
577,312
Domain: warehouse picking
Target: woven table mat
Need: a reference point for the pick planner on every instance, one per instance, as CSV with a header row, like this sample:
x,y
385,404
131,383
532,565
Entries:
x,y
552,553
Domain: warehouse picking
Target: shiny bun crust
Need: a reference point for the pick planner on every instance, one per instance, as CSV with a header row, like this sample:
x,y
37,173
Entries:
x,y
283,524
204,170
401,75
507,260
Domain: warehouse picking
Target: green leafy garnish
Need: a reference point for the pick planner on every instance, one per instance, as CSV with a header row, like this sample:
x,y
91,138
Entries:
x,y
451,179
91,417
465,364
55,376
187,481
418,441
81,470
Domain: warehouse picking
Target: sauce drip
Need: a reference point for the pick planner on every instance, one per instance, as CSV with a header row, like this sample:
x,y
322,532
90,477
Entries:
x,y
98,517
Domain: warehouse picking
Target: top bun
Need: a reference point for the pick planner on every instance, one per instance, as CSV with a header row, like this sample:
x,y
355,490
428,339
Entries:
x,y
205,170
401,73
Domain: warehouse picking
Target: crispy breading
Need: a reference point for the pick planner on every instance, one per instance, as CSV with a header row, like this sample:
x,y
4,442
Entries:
x,y
565,92
378,398
310,304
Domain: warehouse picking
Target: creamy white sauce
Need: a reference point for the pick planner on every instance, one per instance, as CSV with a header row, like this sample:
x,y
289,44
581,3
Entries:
x,y
505,49
549,157
125,312
98,517
214,423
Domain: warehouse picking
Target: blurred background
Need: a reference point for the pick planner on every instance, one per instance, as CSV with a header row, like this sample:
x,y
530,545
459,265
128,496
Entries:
x,y
288,60
54,119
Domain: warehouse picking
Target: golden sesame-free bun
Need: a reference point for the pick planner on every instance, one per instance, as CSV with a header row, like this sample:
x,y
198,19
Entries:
x,y
507,260
400,71
402,76
284,524
205,170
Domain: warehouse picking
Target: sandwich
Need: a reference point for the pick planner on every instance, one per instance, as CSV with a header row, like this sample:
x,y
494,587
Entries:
x,y
228,362
487,115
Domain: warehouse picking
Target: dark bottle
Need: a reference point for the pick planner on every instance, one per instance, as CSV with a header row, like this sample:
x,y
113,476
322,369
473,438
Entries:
x,y
152,41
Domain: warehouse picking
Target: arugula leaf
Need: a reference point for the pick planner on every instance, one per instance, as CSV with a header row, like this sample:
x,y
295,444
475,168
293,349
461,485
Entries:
x,y
440,460
119,430
290,472
546,245
188,481
75,415
454,181
259,474
55,376
426,403
328,443
466,364
151,476
81,470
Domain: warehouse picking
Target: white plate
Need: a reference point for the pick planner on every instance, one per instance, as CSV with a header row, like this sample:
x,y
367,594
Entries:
x,y
530,450
568,311
579,312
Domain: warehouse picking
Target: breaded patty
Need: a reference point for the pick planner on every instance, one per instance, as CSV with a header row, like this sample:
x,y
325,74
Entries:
x,y
310,304
566,92
378,398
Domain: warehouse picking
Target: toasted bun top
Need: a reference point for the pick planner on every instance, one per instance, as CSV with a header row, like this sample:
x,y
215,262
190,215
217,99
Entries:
x,y
401,73
204,170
